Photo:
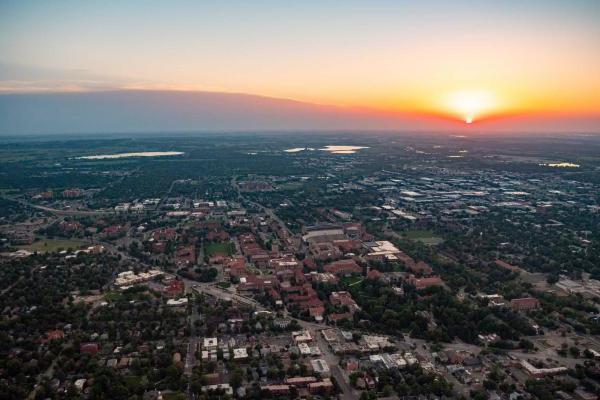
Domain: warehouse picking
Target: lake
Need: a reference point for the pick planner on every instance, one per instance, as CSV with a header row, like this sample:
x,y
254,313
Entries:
x,y
126,155
333,149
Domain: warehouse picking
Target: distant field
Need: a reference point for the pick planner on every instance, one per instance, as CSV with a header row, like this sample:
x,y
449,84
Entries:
x,y
52,245
424,236
215,248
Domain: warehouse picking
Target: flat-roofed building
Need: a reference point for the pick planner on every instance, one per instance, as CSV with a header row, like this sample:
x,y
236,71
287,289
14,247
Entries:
x,y
320,366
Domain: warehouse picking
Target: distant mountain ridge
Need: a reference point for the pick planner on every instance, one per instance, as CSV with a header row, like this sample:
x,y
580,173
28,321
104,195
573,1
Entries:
x,y
159,111
155,111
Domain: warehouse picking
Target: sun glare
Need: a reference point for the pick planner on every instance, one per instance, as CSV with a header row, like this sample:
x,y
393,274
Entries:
x,y
470,105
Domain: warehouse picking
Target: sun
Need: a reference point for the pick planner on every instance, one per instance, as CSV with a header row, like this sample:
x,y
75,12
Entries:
x,y
470,105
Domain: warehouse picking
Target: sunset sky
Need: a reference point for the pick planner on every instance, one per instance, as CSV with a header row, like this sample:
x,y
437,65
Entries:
x,y
470,61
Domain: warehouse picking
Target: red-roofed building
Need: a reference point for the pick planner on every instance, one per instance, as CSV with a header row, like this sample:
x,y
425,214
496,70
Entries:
x,y
526,303
114,230
321,388
260,260
164,234
235,266
337,317
56,334
175,288
186,254
344,299
505,265
422,283
316,311
343,267
70,226
283,263
348,246
159,247
89,348
253,283
310,264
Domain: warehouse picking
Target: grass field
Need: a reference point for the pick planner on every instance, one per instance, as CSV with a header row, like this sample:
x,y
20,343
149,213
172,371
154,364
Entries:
x,y
52,245
424,236
112,296
214,248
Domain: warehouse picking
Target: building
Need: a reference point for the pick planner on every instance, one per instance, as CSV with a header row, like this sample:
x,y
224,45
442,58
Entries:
x,y
321,388
300,381
129,278
210,343
302,336
505,265
320,366
89,348
276,389
324,233
72,193
525,303
423,283
344,298
541,372
343,267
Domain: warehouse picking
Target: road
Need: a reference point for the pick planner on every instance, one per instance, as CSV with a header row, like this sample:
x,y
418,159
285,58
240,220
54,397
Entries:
x,y
332,360
223,294
57,211
264,209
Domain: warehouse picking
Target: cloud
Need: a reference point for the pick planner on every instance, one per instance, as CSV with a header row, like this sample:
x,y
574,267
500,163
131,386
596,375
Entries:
x,y
15,78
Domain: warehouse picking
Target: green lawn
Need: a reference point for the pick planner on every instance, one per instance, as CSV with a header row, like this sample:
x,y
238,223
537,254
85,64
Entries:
x,y
112,296
213,248
424,236
52,245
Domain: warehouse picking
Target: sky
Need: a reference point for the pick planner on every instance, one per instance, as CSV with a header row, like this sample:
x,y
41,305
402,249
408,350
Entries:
x,y
469,61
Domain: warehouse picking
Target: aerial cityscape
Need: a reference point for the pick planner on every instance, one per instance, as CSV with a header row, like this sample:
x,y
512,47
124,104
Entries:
x,y
217,228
